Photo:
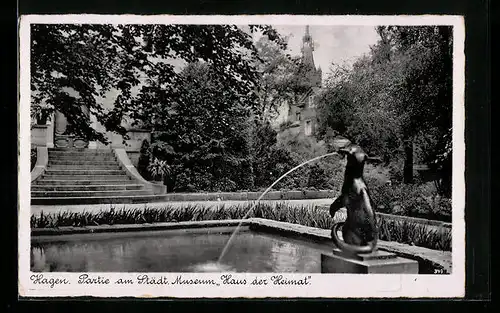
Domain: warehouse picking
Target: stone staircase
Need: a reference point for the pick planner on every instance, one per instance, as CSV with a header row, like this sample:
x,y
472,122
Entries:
x,y
87,176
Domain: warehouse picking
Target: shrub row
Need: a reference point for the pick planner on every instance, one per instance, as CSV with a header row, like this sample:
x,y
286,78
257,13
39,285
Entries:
x,y
411,200
403,232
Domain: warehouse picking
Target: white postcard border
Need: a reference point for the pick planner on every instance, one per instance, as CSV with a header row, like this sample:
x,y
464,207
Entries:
x,y
321,285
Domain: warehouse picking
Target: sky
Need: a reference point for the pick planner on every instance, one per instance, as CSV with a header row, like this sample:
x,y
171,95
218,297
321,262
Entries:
x,y
333,43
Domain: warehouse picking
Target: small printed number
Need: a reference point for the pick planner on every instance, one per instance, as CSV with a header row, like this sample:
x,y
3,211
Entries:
x,y
439,271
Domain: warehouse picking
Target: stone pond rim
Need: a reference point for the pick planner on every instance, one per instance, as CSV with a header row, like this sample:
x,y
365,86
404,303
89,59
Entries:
x,y
428,259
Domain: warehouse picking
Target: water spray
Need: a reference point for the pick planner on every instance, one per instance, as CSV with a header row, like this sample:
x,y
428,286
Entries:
x,y
224,251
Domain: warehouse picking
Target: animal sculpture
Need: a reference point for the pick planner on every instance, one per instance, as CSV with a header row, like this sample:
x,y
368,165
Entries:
x,y
359,231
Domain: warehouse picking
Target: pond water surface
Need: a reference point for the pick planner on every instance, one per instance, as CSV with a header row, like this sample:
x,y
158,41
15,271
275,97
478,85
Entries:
x,y
176,251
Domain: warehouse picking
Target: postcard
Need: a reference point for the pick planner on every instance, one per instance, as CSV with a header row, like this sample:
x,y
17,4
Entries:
x,y
257,156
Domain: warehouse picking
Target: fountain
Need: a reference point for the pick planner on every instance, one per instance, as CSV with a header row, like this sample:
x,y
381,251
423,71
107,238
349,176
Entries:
x,y
357,252
356,255
189,247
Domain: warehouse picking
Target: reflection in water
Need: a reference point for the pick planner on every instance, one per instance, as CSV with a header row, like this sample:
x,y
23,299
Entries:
x,y
189,252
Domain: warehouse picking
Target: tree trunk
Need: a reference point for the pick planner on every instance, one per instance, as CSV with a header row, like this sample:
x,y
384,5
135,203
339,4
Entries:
x,y
408,165
446,177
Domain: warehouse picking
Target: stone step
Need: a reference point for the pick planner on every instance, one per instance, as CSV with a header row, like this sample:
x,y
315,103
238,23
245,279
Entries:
x,y
88,158
81,162
96,200
60,187
51,172
80,151
80,156
85,177
91,193
77,149
96,166
98,182
77,153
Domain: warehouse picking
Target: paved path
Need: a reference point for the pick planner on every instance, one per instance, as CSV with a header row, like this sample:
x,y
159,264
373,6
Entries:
x,y
36,209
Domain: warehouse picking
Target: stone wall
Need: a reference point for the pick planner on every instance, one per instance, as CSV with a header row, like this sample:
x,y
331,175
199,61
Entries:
x,y
42,135
132,145
134,157
39,136
245,196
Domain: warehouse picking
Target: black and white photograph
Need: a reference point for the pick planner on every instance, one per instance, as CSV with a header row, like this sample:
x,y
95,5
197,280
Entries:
x,y
235,156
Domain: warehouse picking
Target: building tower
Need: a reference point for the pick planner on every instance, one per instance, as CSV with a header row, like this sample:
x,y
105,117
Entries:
x,y
301,115
312,74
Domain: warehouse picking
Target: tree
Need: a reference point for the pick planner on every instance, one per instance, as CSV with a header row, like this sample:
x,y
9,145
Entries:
x,y
73,66
335,95
263,152
426,89
277,83
400,91
206,134
356,103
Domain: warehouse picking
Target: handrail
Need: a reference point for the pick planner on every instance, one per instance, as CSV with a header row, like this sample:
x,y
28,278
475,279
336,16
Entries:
x,y
42,159
132,172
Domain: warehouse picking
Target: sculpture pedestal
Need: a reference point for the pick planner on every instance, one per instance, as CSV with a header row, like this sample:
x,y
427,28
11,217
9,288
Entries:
x,y
378,262
39,136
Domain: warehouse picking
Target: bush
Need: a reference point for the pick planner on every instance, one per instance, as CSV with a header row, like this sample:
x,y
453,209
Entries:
x,y
415,200
318,178
225,184
255,168
322,174
33,158
158,169
144,160
396,171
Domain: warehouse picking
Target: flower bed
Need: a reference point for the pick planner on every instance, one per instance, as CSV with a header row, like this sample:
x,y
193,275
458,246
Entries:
x,y
399,231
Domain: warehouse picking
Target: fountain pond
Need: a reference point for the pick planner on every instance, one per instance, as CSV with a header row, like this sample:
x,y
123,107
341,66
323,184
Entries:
x,y
246,245
261,246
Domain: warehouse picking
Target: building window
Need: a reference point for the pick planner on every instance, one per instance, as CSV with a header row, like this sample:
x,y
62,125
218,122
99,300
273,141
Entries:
x,y
311,102
308,128
297,116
